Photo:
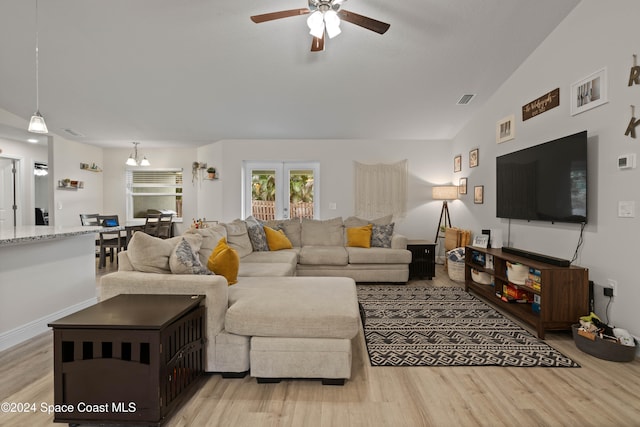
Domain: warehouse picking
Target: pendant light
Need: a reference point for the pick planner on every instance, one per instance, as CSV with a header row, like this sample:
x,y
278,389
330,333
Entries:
x,y
37,124
133,157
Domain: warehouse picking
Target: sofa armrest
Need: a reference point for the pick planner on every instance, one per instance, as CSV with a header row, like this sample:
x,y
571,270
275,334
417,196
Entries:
x,y
215,289
398,241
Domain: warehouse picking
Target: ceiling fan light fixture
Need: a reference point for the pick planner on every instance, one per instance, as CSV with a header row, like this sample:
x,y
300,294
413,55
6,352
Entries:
x,y
315,21
332,23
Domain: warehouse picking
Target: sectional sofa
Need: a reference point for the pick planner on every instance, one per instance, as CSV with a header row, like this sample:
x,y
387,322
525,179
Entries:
x,y
293,313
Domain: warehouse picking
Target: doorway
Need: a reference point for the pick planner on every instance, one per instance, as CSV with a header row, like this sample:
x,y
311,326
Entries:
x,y
9,185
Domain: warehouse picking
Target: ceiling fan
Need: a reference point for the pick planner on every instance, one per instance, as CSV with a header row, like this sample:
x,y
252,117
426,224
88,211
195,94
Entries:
x,y
325,16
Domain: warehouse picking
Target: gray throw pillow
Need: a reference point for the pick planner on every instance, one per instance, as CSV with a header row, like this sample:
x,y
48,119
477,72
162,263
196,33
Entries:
x,y
256,234
381,235
184,260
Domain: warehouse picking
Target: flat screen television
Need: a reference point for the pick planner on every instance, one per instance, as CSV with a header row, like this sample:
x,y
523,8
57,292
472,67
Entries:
x,y
546,182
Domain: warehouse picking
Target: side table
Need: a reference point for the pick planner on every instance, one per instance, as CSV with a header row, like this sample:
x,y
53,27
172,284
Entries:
x,y
423,259
128,359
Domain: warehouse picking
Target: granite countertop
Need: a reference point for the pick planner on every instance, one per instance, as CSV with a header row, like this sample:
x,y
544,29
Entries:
x,y
33,233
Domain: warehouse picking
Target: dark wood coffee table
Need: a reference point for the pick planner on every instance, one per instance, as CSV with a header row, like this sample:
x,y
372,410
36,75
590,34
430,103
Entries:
x,y
128,359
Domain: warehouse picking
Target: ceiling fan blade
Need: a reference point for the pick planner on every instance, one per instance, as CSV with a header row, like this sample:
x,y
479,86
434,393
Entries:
x,y
368,23
317,44
277,15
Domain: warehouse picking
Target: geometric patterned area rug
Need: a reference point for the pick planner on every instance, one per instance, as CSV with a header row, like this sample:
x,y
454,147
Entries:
x,y
416,326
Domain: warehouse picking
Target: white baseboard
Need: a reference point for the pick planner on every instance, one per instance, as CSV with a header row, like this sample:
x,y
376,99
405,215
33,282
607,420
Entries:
x,y
29,330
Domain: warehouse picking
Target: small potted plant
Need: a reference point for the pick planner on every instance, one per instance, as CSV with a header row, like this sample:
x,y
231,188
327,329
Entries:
x,y
212,173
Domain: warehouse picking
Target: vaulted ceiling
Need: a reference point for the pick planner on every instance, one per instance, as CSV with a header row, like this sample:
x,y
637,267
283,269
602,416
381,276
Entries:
x,y
169,72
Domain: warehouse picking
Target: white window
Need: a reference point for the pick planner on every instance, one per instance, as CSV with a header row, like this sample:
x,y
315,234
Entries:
x,y
154,190
281,190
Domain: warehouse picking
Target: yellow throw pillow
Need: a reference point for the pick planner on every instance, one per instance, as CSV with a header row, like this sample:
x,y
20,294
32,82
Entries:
x,y
225,261
359,237
276,239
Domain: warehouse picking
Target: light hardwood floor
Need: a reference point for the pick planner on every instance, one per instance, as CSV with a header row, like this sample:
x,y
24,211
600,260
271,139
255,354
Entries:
x,y
600,393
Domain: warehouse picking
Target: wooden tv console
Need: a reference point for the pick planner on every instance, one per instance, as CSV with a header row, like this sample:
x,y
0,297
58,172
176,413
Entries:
x,y
564,291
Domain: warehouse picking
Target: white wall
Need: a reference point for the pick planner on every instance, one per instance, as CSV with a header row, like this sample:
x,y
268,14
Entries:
x,y
69,204
222,199
595,35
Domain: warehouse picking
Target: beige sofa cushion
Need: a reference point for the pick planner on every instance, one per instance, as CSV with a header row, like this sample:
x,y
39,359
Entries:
x,y
328,232
324,255
310,307
238,237
266,269
151,254
378,256
210,238
354,221
292,229
285,255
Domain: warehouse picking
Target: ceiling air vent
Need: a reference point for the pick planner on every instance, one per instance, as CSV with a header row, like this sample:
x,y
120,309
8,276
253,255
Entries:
x,y
465,99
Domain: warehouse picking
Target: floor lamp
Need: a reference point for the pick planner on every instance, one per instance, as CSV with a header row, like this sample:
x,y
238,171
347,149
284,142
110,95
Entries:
x,y
444,193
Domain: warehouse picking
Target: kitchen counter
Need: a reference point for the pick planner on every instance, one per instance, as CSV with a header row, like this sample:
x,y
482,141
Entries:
x,y
45,273
36,233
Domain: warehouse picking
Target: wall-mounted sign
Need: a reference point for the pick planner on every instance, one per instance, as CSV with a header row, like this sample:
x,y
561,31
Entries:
x,y
540,105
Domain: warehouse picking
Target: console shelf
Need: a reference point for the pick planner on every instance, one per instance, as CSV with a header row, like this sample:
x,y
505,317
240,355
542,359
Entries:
x,y
564,291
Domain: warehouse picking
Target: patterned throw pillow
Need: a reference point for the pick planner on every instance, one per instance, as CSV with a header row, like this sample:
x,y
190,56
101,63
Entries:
x,y
381,236
256,234
184,260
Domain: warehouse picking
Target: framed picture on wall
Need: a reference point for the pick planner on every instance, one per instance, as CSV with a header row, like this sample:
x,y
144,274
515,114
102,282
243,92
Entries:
x,y
478,194
589,92
457,163
506,129
462,186
473,158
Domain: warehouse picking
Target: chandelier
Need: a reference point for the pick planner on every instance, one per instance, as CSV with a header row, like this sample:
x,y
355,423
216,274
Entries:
x,y
133,157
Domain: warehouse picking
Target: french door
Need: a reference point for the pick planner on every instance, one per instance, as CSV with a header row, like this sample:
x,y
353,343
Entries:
x,y
281,190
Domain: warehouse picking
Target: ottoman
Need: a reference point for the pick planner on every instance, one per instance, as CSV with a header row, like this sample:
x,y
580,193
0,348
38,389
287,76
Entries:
x,y
300,327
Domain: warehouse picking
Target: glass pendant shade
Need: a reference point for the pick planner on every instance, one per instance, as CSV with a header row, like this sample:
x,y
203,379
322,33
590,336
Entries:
x,y
37,124
131,161
144,162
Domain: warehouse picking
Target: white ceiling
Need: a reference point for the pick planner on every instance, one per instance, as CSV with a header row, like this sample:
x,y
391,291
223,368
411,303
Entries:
x,y
169,72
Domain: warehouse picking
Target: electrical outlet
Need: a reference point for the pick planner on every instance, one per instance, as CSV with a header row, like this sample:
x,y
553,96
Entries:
x,y
613,285
608,292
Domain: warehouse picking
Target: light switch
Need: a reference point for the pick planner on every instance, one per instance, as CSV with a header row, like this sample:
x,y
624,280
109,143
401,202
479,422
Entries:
x,y
627,209
332,205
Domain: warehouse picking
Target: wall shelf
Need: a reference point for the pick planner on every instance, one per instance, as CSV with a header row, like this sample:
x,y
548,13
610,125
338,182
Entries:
x,y
71,185
91,168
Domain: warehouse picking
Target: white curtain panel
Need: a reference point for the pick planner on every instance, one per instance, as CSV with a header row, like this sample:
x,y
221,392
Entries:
x,y
381,189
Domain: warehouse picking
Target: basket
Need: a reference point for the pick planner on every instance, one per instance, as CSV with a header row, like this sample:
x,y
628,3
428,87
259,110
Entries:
x,y
604,349
456,270
480,277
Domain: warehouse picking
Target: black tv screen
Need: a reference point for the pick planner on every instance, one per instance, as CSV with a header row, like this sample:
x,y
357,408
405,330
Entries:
x,y
546,182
